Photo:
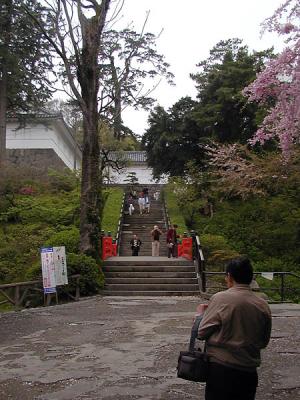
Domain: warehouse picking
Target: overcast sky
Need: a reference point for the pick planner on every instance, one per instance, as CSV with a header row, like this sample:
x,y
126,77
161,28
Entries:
x,y
190,29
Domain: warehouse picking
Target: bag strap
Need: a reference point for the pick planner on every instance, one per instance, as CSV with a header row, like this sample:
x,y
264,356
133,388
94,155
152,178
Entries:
x,y
194,332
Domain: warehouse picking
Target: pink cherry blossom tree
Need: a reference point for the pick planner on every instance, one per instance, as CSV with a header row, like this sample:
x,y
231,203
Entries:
x,y
279,83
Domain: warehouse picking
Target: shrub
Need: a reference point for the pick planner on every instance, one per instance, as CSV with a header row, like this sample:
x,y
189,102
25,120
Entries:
x,y
91,281
217,252
27,190
19,248
67,237
174,211
65,180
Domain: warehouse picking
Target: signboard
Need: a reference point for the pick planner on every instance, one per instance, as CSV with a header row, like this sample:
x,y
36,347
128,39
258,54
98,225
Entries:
x,y
60,265
48,270
268,275
50,290
54,268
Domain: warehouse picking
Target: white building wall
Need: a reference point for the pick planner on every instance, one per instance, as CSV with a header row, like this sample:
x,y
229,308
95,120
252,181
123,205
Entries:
x,y
143,173
40,136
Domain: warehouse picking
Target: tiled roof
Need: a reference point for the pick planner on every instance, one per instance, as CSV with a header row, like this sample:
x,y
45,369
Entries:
x,y
133,156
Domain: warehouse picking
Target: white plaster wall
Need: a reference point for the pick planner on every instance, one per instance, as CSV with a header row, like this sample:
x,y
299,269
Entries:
x,y
143,173
40,136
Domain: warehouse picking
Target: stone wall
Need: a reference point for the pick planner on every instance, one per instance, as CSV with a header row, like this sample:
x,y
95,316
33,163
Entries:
x,y
38,159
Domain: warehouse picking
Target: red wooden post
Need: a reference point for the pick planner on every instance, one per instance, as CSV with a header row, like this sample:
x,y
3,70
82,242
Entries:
x,y
179,249
114,249
187,248
107,249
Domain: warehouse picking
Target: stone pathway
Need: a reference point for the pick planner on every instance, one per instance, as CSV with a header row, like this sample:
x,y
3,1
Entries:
x,y
117,348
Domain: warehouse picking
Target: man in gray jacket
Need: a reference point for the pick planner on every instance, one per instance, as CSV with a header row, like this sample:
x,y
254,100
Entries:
x,y
236,325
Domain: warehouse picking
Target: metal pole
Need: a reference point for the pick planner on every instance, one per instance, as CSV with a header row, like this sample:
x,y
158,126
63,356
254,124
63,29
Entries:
x,y
17,296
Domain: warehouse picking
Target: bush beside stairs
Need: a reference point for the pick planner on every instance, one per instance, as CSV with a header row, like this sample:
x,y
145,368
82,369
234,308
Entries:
x,y
145,275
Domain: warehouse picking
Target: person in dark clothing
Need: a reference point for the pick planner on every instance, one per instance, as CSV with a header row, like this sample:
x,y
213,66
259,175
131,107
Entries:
x,y
146,194
135,244
172,241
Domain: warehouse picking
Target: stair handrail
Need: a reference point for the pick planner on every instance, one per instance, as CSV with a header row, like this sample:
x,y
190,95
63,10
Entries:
x,y
200,262
281,274
201,270
120,224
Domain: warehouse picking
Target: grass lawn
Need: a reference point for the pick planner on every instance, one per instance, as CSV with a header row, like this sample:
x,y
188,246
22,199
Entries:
x,y
175,214
111,212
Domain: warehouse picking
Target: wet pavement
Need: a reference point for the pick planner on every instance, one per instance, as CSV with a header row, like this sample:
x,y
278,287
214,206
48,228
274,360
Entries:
x,y
121,348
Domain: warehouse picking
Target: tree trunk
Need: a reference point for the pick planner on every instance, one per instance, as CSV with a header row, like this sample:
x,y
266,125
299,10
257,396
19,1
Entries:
x,y
90,188
6,17
117,118
91,191
3,107
117,122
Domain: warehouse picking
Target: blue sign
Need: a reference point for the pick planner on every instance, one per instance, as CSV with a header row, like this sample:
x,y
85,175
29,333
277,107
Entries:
x,y
49,290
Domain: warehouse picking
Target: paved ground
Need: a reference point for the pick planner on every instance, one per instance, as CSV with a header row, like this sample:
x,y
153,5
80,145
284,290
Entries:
x,y
124,348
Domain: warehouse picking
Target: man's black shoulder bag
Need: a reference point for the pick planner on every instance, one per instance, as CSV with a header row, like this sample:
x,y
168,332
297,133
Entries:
x,y
193,364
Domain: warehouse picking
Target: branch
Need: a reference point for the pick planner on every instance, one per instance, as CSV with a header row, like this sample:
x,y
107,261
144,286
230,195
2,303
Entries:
x,y
116,165
60,51
117,10
74,43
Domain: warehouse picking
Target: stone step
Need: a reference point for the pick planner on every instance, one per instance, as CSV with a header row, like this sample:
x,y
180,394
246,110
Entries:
x,y
145,223
150,293
146,244
147,281
147,268
155,209
144,253
135,287
152,274
149,262
146,234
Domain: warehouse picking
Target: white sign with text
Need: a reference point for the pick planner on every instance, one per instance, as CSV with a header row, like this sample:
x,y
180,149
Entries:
x,y
48,270
60,264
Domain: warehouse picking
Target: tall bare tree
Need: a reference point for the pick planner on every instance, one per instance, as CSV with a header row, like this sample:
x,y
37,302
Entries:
x,y
78,26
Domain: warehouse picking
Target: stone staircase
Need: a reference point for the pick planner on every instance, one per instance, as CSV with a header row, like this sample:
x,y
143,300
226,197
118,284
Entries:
x,y
142,225
145,275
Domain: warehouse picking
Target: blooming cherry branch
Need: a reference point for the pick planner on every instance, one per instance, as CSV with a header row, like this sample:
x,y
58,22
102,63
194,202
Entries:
x,y
279,82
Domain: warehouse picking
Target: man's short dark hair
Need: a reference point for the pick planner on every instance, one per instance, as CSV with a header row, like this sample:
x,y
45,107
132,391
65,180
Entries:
x,y
240,269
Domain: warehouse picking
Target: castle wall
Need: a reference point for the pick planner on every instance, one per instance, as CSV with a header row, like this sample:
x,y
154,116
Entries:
x,y
42,143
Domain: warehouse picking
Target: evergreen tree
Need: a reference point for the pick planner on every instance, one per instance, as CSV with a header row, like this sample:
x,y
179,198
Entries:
x,y
24,61
223,112
127,58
